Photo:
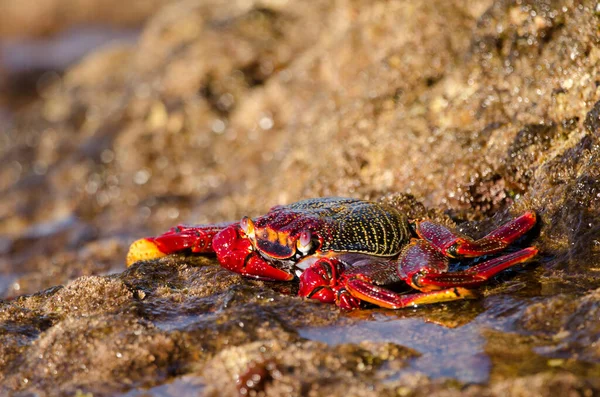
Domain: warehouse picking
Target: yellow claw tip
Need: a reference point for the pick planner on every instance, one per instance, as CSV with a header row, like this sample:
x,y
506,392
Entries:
x,y
141,250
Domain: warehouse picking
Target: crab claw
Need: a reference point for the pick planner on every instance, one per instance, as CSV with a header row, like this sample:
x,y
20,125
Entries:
x,y
180,238
157,247
143,249
314,284
324,280
318,281
235,252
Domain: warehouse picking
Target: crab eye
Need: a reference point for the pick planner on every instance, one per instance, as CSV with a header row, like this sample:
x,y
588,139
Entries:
x,y
304,243
247,226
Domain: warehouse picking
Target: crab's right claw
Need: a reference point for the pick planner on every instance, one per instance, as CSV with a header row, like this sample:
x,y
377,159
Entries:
x,y
180,238
236,253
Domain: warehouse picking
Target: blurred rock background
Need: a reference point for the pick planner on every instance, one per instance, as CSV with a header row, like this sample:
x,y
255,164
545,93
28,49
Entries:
x,y
119,120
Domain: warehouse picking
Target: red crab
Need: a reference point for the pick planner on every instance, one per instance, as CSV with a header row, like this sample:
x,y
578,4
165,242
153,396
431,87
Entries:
x,y
346,251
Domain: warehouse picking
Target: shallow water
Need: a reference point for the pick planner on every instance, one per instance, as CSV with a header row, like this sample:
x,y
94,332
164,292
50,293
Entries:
x,y
446,352
185,386
6,281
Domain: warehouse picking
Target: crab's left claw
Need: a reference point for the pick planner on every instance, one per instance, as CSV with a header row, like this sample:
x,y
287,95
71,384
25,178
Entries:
x,y
325,282
236,253
315,283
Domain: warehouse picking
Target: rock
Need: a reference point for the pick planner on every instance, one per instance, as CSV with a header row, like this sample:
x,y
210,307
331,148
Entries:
x,y
467,112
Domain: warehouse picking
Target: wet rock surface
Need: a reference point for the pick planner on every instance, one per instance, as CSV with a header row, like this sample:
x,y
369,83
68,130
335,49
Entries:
x,y
467,112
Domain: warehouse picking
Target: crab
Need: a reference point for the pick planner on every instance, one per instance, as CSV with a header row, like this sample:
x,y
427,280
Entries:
x,y
349,251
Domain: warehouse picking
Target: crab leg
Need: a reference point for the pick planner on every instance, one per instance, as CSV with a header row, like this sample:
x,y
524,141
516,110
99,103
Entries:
x,y
478,274
451,284
182,237
424,268
455,245
329,280
385,298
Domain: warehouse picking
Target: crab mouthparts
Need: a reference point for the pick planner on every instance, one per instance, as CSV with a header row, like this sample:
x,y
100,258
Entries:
x,y
274,249
287,266
304,264
307,262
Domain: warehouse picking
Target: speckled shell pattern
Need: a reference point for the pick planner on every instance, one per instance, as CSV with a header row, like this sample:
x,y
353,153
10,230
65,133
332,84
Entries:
x,y
344,224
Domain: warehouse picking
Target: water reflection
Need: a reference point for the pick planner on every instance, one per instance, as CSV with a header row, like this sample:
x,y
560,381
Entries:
x,y
60,50
6,281
458,353
184,386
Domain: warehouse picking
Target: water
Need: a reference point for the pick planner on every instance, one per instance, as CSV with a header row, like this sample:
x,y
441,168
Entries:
x,y
446,352
185,386
6,281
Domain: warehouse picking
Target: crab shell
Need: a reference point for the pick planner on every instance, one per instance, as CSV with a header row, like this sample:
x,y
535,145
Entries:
x,y
309,229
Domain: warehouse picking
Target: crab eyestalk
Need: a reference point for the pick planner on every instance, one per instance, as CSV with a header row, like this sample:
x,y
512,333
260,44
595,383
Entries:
x,y
235,252
247,227
304,243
